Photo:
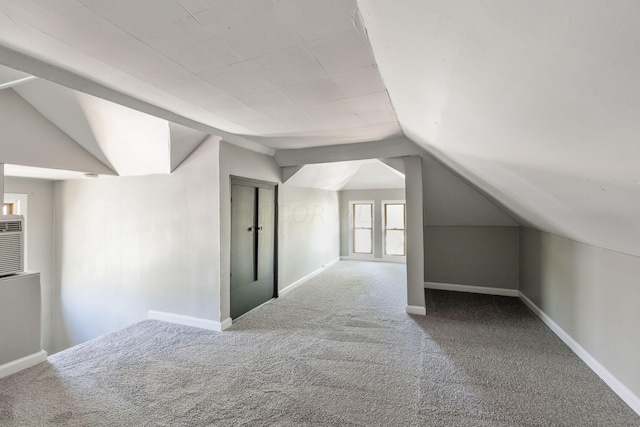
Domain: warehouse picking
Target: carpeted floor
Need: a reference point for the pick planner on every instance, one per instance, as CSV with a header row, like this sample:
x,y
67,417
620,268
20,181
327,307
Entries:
x,y
337,351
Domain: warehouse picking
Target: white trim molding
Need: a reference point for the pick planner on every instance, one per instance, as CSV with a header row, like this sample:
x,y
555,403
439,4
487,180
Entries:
x,y
472,289
196,322
414,309
618,387
22,363
299,282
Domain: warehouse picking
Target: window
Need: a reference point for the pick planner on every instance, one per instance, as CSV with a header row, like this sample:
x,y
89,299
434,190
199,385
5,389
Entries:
x,y
9,209
362,220
394,228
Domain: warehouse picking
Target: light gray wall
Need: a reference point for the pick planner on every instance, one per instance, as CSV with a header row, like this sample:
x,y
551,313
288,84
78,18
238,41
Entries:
x,y
468,239
591,293
128,245
40,245
19,316
377,195
450,201
309,231
477,256
415,238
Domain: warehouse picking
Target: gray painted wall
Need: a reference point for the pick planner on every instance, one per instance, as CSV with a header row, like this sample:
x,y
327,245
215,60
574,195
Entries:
x,y
128,245
450,201
468,239
19,316
591,293
476,256
377,195
309,231
40,245
414,194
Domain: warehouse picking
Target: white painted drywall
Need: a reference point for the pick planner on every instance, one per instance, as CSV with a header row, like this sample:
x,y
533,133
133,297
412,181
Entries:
x,y
591,293
377,196
127,245
40,246
29,139
535,102
308,231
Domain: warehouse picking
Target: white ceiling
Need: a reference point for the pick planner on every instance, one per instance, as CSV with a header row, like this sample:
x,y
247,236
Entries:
x,y
348,175
294,73
536,102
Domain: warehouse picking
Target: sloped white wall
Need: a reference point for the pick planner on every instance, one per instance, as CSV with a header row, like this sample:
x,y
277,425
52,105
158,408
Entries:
x,y
29,139
132,244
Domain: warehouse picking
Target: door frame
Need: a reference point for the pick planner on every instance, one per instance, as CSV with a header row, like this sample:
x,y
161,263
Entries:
x,y
256,183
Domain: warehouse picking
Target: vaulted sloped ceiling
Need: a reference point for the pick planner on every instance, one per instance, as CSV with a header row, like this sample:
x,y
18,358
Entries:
x,y
537,102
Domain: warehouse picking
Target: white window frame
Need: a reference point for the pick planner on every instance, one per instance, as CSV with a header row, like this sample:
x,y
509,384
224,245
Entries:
x,y
21,202
373,231
384,229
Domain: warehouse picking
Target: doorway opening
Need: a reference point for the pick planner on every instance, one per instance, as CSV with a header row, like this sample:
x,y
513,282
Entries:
x,y
253,244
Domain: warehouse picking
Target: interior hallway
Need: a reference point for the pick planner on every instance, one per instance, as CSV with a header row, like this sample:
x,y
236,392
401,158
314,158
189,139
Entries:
x,y
338,350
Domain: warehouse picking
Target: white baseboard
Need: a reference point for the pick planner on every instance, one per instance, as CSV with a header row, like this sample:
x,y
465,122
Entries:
x,y
472,289
415,309
305,278
392,260
22,363
225,324
620,389
196,322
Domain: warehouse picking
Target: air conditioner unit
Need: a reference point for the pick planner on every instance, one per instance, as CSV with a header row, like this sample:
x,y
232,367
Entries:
x,y
11,244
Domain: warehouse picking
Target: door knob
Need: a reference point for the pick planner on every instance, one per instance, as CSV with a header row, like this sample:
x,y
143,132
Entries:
x,y
260,228
250,229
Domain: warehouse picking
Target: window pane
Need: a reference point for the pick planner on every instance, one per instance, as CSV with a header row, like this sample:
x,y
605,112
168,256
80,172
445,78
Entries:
x,y
362,216
394,242
362,241
395,216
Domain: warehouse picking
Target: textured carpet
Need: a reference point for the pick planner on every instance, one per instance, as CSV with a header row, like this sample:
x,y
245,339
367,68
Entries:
x,y
338,350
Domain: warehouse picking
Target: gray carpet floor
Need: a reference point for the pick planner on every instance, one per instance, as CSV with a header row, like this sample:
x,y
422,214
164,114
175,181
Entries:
x,y
337,351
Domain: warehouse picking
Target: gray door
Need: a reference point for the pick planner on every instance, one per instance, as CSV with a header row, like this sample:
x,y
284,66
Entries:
x,y
253,225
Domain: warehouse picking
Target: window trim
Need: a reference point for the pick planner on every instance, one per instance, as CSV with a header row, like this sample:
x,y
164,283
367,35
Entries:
x,y
384,229
352,203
